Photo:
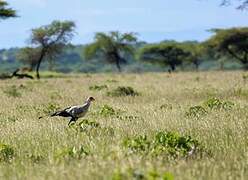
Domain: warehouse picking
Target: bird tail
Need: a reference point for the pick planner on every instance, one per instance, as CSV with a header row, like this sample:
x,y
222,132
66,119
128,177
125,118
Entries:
x,y
55,114
50,115
41,117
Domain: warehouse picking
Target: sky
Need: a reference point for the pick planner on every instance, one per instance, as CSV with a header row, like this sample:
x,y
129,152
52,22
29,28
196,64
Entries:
x,y
153,20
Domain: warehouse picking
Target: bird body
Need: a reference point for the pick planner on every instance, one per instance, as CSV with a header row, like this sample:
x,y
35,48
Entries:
x,y
75,112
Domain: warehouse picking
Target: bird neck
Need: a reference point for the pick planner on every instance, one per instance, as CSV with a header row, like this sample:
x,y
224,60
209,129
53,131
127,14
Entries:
x,y
88,101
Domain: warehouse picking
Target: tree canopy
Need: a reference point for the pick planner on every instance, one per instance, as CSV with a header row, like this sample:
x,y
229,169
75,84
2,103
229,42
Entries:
x,y
196,51
51,39
6,12
171,54
111,47
243,4
232,43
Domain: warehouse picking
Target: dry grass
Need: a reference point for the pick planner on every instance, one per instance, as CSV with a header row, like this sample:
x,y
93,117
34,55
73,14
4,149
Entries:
x,y
39,144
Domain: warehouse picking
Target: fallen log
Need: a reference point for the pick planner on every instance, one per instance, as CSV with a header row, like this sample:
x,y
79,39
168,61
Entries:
x,y
17,75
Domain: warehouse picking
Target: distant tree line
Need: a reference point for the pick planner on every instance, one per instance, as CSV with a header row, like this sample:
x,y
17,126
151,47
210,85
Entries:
x,y
48,42
120,48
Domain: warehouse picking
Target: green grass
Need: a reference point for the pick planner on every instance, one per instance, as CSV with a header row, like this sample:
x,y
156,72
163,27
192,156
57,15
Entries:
x,y
50,74
149,136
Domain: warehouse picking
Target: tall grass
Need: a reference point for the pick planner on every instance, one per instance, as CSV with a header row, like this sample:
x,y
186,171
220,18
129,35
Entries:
x,y
49,149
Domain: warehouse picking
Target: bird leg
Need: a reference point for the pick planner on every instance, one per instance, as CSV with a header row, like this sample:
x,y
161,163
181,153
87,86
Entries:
x,y
72,120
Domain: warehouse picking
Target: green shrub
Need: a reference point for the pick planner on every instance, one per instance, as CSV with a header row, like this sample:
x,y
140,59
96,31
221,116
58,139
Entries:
x,y
173,144
167,176
118,176
86,125
107,111
6,152
163,143
196,111
217,104
12,91
209,105
72,153
98,88
137,144
153,175
123,91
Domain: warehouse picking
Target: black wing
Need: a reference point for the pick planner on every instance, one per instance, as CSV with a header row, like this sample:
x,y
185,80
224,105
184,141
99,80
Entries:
x,y
62,113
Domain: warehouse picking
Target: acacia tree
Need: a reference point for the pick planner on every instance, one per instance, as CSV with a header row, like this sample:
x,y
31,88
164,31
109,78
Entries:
x,y
231,43
51,39
6,12
170,54
111,47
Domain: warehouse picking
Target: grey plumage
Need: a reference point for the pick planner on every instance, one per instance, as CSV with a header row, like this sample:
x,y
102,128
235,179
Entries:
x,y
75,112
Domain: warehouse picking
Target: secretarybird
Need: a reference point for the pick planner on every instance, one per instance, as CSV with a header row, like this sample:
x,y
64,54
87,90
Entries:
x,y
75,112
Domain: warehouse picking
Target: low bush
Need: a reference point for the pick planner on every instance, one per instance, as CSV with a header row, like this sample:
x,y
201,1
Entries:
x,y
86,125
123,91
72,153
196,111
163,143
107,110
217,104
6,153
208,106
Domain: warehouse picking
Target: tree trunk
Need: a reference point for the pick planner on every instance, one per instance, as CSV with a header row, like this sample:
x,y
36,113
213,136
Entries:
x,y
196,63
173,67
20,76
118,65
38,64
117,60
196,66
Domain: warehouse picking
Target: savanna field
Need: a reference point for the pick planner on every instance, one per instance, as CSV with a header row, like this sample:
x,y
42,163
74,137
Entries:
x,y
180,126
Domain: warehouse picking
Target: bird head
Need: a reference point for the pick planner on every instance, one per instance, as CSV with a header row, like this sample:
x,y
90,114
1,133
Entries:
x,y
90,99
